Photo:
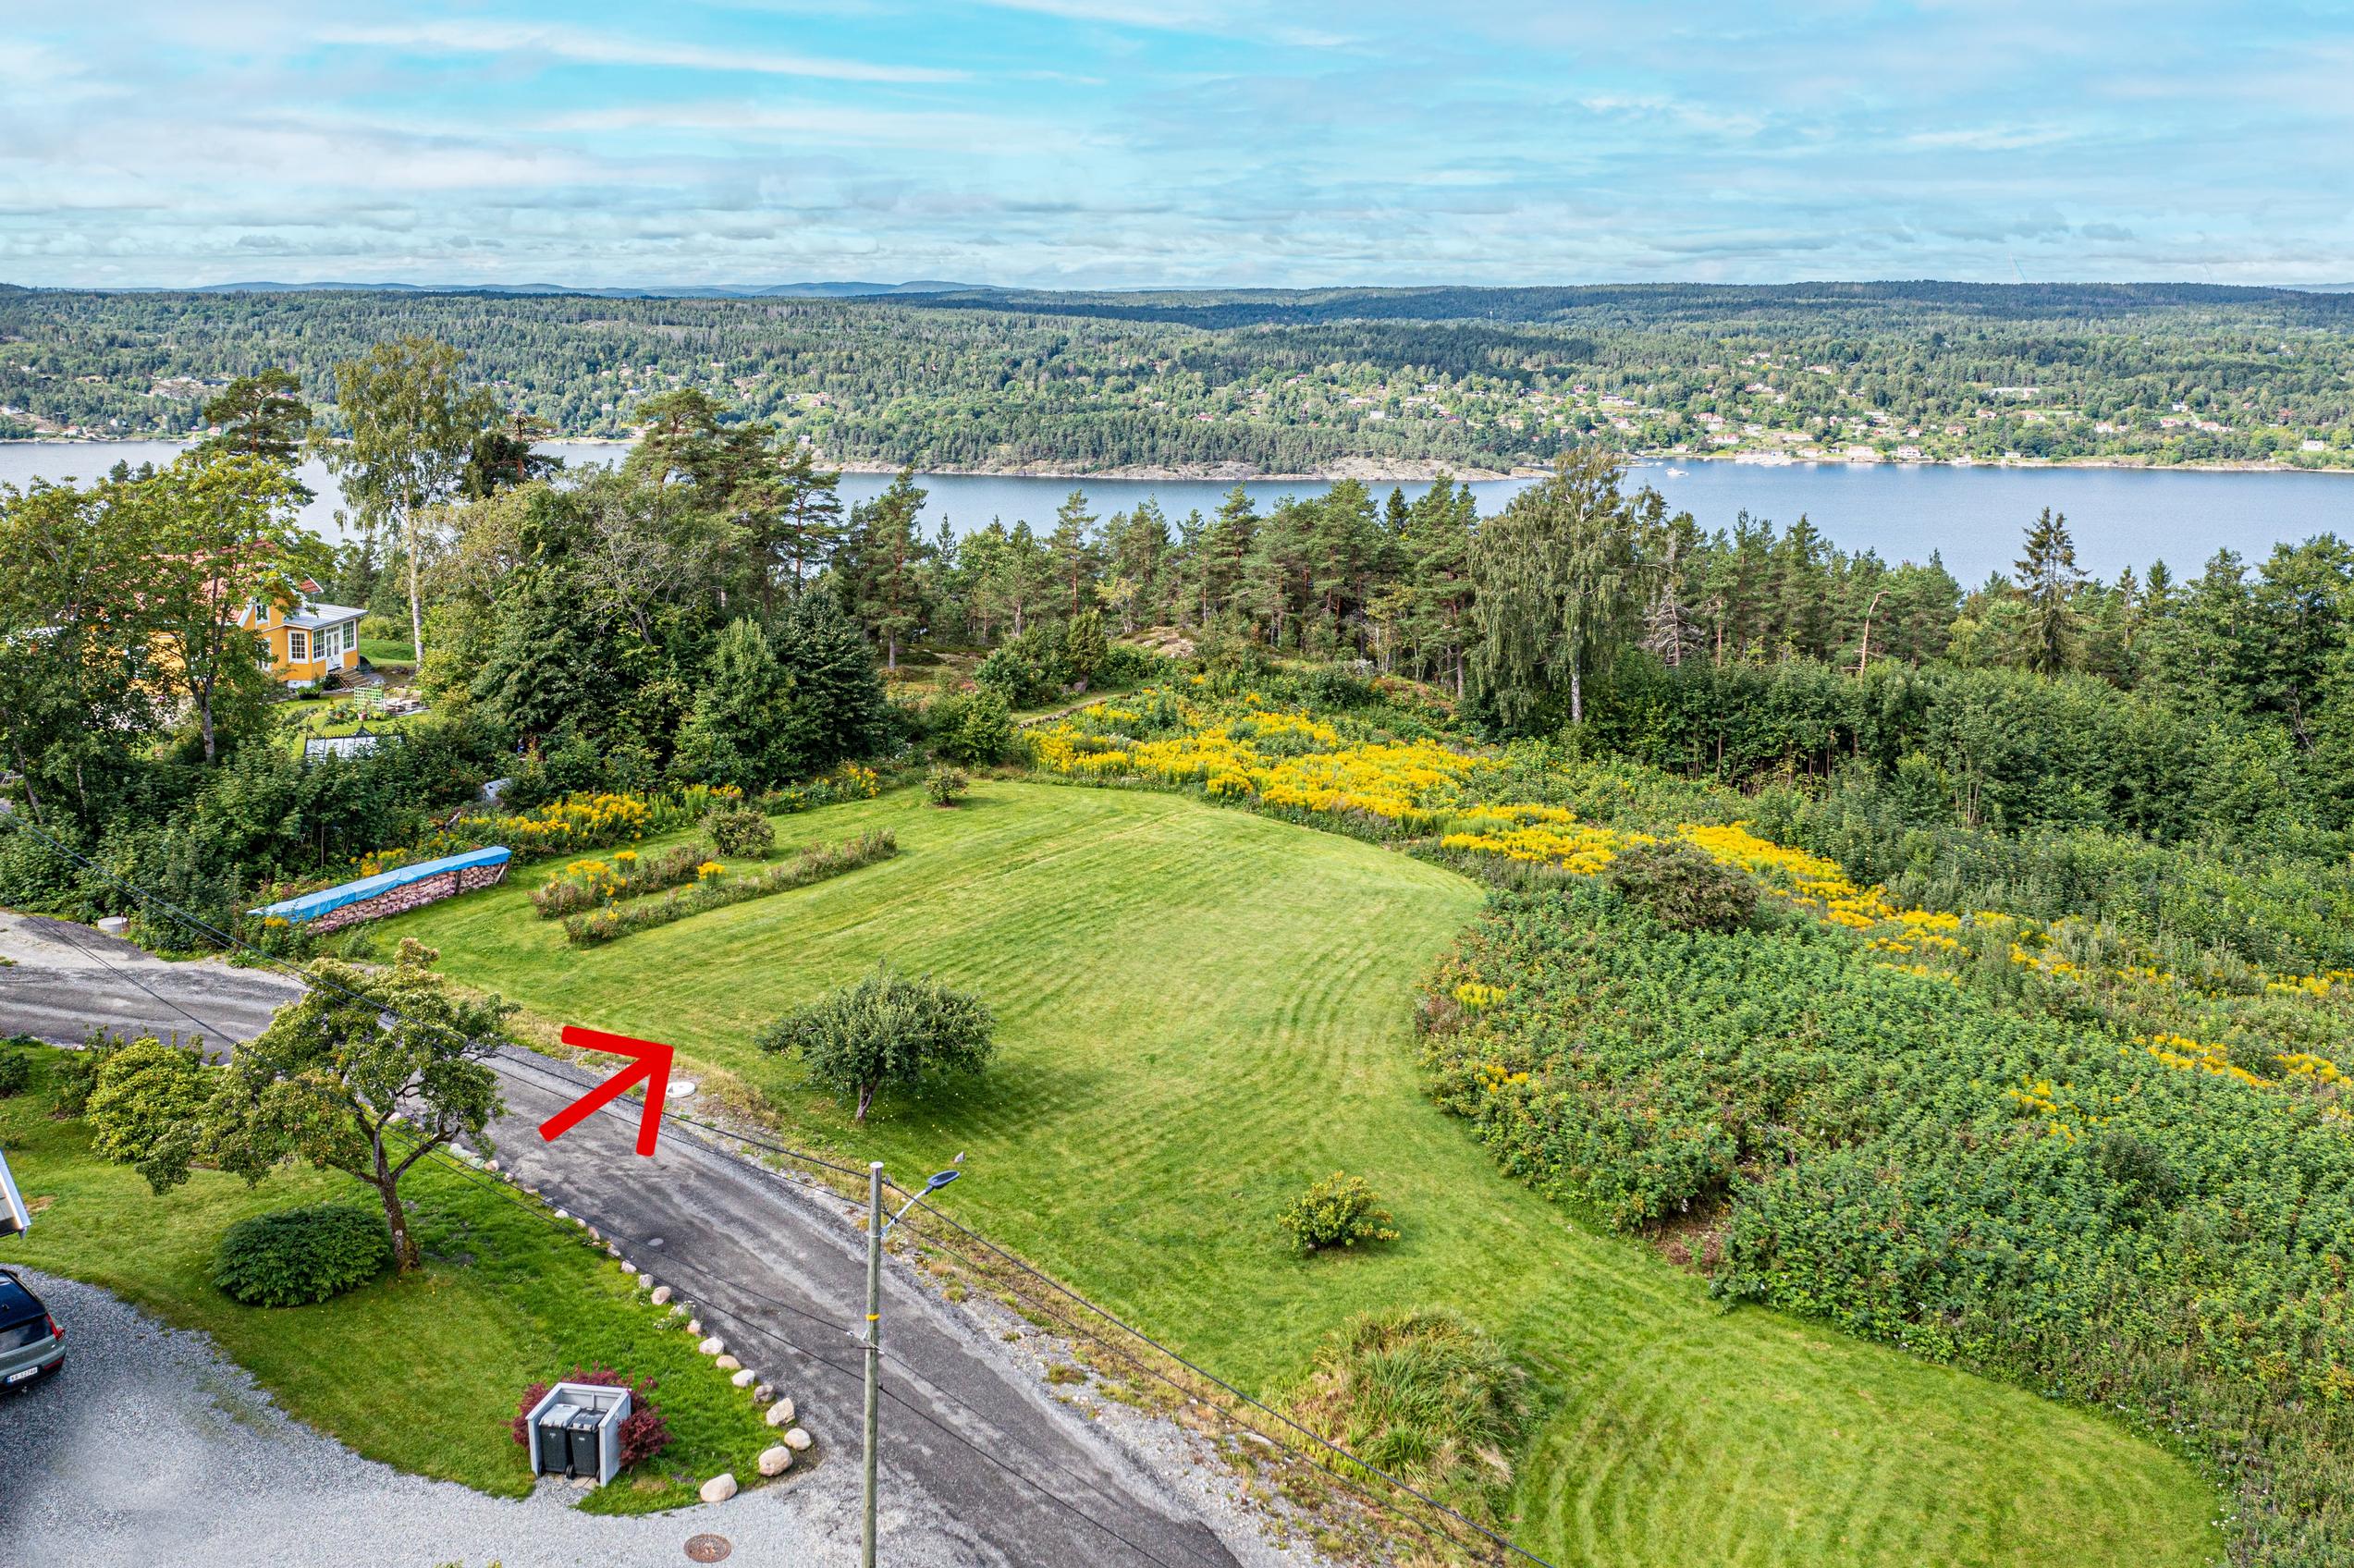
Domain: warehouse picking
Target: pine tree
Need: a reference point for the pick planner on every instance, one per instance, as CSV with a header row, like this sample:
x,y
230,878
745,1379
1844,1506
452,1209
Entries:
x,y
1073,548
883,579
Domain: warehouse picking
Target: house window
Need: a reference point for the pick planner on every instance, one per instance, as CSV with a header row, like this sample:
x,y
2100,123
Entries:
x,y
297,645
260,611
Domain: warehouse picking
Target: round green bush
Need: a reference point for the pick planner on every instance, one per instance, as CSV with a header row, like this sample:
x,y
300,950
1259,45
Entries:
x,y
1689,889
16,1072
296,1256
1339,1211
741,832
974,728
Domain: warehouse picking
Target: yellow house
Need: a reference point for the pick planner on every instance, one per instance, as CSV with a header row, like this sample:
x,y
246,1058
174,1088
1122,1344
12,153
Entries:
x,y
304,641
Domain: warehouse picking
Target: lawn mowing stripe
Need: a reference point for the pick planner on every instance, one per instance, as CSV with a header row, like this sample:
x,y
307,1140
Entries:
x,y
1269,971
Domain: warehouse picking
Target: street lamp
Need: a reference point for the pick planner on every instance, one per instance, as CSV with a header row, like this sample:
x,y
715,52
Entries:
x,y
876,1227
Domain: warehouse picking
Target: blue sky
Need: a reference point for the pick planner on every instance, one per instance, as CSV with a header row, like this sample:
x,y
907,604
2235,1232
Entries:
x,y
1086,143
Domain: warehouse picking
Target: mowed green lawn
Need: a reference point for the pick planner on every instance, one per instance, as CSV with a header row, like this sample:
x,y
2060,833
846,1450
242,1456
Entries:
x,y
1201,1010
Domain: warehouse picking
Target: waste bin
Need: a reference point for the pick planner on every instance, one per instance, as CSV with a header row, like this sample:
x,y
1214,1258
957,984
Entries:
x,y
584,1428
555,1439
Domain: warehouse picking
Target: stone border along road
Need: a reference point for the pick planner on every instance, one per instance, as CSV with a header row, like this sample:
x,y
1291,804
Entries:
x,y
761,1257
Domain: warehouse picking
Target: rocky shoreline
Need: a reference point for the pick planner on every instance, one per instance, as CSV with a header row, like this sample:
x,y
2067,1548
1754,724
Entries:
x,y
1371,471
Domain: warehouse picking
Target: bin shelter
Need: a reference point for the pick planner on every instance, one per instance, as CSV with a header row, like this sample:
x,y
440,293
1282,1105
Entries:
x,y
576,1430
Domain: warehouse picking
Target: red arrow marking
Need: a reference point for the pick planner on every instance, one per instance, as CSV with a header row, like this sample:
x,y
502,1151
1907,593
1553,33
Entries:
x,y
652,1063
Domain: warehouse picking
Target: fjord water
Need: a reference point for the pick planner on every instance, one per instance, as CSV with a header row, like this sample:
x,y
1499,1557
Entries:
x,y
1972,516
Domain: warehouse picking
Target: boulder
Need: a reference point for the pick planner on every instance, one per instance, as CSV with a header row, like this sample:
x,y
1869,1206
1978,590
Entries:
x,y
798,1440
562,1214
627,1268
745,1377
719,1489
763,1394
661,1295
611,1250
780,1415
490,1165
726,1363
775,1461
679,1089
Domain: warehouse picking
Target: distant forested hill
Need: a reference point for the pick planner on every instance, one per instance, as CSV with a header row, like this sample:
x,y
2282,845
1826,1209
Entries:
x,y
1293,381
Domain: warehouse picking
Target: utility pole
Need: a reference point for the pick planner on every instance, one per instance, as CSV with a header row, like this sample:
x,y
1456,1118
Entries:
x,y
876,1227
874,1350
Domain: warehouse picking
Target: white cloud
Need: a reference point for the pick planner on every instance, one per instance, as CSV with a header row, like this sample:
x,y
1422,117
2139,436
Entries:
x,y
582,47
944,132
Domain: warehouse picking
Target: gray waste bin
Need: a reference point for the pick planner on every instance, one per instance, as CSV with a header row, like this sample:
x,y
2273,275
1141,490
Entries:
x,y
555,1439
585,1461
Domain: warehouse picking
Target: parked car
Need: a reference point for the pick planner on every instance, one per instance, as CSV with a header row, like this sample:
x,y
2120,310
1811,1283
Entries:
x,y
31,1343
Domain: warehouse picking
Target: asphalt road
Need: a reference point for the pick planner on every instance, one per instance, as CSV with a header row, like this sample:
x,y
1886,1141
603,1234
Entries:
x,y
981,1465
63,980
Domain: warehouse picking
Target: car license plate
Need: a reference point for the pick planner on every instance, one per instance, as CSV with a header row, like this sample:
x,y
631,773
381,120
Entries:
x,y
21,1377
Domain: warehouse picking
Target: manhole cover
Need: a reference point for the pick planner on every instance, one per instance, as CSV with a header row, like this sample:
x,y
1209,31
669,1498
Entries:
x,y
707,1548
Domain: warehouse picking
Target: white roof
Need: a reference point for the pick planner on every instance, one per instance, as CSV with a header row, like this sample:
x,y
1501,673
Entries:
x,y
322,615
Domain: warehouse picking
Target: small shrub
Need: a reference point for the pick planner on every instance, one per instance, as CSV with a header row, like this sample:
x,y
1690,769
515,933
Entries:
x,y
2135,1165
1026,670
1339,1211
296,1256
739,831
643,1432
147,1107
2253,1056
1685,886
1426,1397
16,1072
944,786
1084,644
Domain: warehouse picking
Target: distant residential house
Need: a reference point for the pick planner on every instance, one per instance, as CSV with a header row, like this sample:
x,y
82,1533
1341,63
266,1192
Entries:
x,y
302,640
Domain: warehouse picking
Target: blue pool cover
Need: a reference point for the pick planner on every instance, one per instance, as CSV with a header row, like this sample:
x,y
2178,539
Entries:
x,y
310,906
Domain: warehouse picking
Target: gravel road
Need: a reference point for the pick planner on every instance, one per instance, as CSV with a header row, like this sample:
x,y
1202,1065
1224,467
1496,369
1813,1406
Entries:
x,y
62,980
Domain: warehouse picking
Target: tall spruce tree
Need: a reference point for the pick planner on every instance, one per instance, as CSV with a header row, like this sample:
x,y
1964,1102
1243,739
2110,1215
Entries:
x,y
2047,575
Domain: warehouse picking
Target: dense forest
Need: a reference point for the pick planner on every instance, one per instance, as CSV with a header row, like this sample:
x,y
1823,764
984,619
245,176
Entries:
x,y
704,614
1288,381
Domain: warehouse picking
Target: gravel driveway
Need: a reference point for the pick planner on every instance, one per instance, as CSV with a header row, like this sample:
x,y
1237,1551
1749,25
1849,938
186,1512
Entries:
x,y
151,1450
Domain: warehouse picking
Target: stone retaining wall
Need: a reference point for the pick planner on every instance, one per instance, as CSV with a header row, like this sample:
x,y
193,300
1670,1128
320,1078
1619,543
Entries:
x,y
413,894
